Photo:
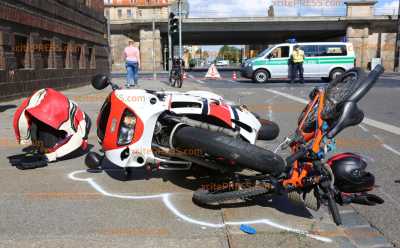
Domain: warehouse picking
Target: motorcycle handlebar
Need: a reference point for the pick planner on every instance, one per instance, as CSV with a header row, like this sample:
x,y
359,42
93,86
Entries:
x,y
296,156
369,82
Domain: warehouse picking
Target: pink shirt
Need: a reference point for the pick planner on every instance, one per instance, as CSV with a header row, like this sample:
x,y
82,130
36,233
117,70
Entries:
x,y
132,54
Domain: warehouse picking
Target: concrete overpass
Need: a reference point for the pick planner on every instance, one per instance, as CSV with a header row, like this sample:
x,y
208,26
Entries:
x,y
217,31
372,36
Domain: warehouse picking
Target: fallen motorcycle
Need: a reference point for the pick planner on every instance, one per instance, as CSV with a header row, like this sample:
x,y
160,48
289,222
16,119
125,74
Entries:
x,y
174,130
138,128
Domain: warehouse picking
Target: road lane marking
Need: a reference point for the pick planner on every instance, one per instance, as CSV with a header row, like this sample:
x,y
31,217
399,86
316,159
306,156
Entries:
x,y
165,197
196,80
389,148
370,122
363,128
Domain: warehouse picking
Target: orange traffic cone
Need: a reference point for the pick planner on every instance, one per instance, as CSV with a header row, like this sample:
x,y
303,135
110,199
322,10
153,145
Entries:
x,y
234,76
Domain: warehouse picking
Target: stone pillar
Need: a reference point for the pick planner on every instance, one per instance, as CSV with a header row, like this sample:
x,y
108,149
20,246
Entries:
x,y
33,58
69,57
58,54
82,57
7,57
358,36
360,8
147,41
387,50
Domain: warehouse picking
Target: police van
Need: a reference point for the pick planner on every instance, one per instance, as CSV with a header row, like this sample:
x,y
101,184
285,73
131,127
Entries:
x,y
324,60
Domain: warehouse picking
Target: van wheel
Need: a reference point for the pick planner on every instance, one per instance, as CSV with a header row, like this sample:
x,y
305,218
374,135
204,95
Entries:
x,y
261,76
335,73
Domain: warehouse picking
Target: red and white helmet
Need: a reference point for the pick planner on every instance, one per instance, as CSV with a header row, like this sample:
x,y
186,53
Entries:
x,y
52,122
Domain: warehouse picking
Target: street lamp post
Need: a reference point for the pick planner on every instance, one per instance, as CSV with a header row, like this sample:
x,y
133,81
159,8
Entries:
x,y
153,51
397,51
180,27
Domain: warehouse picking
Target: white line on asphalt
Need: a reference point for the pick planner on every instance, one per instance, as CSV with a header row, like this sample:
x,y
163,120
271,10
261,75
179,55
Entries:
x,y
389,148
363,128
166,200
377,124
197,80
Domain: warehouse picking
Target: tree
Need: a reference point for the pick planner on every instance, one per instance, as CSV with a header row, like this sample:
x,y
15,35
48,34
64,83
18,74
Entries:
x,y
229,53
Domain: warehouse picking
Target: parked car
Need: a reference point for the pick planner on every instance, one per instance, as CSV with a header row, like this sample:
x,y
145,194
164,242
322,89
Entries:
x,y
324,60
222,63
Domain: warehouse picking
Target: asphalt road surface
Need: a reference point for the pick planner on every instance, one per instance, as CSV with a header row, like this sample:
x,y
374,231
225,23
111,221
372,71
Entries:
x,y
63,205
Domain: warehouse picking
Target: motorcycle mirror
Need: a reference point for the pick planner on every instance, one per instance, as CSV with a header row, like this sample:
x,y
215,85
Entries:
x,y
100,81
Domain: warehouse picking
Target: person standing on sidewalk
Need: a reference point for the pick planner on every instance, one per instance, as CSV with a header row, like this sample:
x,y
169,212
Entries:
x,y
132,63
297,64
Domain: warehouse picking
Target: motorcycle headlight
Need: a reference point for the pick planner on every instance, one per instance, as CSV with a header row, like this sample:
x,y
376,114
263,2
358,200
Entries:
x,y
126,128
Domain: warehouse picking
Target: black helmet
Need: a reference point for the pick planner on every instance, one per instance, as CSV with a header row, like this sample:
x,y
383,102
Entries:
x,y
350,173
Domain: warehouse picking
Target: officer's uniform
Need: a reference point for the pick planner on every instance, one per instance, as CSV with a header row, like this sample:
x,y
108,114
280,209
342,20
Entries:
x,y
297,65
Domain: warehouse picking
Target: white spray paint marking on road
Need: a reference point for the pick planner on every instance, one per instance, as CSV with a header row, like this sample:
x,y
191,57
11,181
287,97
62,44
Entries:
x,y
386,146
370,122
165,197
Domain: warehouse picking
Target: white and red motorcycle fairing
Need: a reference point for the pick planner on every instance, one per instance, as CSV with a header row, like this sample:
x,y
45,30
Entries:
x,y
58,112
147,107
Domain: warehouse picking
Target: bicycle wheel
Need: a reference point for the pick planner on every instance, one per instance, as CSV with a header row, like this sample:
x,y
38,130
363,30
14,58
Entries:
x,y
170,79
173,81
179,81
341,89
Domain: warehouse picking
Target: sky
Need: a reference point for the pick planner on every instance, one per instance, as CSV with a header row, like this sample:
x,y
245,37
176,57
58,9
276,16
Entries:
x,y
254,8
242,8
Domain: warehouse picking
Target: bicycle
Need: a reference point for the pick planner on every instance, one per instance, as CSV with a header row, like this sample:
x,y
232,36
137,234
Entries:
x,y
176,74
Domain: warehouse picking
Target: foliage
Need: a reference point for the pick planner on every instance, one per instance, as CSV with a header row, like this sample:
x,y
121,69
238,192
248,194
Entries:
x,y
229,53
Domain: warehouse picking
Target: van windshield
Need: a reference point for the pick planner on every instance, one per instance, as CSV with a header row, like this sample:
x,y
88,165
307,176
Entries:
x,y
263,53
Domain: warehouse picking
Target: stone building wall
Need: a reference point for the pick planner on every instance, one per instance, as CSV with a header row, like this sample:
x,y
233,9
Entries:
x,y
50,43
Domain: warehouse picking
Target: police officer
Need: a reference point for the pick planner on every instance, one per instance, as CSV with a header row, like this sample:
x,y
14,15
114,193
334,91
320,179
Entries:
x,y
297,60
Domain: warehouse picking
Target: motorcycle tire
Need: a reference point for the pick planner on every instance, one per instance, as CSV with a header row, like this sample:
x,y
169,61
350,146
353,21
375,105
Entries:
x,y
202,196
240,152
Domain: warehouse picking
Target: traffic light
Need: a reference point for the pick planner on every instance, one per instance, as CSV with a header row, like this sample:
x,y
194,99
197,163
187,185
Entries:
x,y
173,24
